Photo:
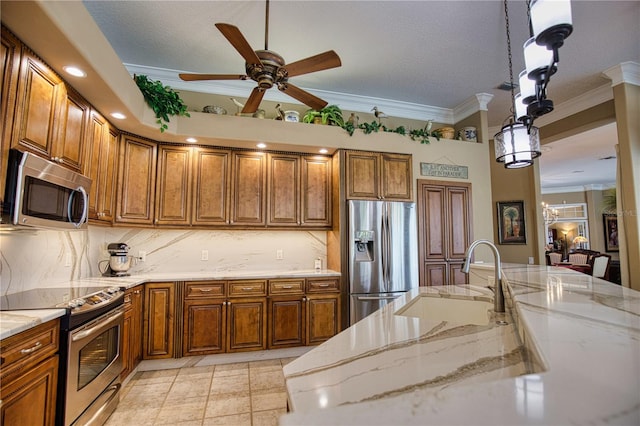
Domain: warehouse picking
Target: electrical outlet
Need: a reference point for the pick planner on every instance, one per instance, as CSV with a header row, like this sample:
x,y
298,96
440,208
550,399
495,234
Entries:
x,y
67,260
530,260
142,256
279,254
204,255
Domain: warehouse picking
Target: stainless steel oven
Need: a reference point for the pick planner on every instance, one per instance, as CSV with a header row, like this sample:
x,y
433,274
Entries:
x,y
93,369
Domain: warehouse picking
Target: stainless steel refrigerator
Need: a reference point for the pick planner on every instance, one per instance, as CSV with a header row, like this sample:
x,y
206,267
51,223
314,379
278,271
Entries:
x,y
383,254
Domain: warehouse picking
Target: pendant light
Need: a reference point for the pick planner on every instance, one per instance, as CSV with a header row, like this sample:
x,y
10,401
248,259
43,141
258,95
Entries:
x,y
517,143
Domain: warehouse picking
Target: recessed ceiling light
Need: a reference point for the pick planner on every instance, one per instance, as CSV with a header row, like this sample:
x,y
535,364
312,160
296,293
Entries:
x,y
118,115
261,145
192,140
323,151
74,71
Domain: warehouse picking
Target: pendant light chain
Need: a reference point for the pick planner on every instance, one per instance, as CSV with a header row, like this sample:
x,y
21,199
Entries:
x,y
513,103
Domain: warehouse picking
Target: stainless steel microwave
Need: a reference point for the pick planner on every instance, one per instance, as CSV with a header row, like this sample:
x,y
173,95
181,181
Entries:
x,y
42,194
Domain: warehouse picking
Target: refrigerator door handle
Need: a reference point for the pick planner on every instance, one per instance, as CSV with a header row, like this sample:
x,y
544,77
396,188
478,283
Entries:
x,y
377,297
385,245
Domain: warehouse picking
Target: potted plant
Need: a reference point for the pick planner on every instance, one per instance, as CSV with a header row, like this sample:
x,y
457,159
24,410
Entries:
x,y
331,114
163,100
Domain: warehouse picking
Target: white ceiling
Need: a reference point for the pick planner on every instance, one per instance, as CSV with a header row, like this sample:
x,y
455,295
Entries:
x,y
422,55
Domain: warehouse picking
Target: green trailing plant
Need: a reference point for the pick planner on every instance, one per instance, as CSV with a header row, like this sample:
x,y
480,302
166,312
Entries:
x,y
331,114
163,100
374,127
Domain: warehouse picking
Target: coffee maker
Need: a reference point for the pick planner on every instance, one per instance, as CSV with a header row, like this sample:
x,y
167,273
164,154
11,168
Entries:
x,y
119,262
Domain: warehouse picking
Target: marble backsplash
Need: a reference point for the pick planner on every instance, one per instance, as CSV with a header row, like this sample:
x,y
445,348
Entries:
x,y
31,259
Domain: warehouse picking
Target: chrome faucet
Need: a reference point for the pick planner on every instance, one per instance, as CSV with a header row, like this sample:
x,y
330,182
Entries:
x,y
498,297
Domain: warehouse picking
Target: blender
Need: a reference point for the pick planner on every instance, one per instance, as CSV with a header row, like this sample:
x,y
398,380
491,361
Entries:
x,y
119,262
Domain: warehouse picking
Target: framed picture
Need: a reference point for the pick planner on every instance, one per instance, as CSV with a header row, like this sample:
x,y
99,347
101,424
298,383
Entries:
x,y
511,223
610,232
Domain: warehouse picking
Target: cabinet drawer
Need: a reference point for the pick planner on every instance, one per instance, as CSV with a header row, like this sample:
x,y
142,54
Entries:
x,y
292,286
327,285
198,289
248,288
25,349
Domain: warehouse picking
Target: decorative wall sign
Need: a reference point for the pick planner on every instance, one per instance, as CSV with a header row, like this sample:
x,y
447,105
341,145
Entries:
x,y
444,170
511,225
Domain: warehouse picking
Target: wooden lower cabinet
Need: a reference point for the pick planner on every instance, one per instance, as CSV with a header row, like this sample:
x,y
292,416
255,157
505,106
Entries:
x,y
204,326
247,324
159,317
286,321
323,318
29,376
131,343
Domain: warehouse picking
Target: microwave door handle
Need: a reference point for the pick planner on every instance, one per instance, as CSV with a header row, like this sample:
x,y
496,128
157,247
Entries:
x,y
85,207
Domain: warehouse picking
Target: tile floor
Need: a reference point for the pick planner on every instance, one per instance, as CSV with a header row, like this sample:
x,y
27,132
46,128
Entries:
x,y
235,389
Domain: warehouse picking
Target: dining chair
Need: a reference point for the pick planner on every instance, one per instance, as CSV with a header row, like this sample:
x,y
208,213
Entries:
x,y
600,266
578,258
554,258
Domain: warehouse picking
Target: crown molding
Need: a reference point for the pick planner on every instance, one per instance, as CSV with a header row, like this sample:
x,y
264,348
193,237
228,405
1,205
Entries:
x,y
625,72
347,102
577,188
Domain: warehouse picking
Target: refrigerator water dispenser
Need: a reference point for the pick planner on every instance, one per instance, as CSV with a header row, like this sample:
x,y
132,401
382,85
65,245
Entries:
x,y
363,243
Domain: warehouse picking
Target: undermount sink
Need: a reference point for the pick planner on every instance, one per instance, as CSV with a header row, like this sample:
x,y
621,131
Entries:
x,y
463,311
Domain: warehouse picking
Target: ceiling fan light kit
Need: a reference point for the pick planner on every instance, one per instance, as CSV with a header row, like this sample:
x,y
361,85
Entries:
x,y
518,143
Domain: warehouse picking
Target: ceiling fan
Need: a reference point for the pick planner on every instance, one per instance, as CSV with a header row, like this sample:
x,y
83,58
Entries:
x,y
267,68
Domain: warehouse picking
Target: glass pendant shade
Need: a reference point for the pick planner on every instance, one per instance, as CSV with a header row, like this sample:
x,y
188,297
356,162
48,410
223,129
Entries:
x,y
537,60
521,108
551,21
527,88
516,147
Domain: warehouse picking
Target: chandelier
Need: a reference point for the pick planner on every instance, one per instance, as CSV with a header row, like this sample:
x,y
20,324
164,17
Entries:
x,y
550,215
518,142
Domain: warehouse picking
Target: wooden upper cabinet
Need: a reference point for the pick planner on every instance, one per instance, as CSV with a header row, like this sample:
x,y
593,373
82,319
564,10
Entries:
x,y
379,176
136,181
284,190
101,167
249,173
69,147
40,101
173,188
316,192
210,203
11,51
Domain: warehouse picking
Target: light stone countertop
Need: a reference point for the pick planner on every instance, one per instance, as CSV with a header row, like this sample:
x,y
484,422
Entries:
x,y
13,322
579,364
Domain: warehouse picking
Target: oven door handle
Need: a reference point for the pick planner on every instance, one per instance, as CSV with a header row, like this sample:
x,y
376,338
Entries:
x,y
84,333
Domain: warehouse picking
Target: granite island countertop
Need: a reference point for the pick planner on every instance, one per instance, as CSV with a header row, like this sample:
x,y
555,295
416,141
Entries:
x,y
13,322
579,361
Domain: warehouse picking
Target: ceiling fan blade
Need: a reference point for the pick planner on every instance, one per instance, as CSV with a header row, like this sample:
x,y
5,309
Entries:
x,y
322,61
254,100
303,96
235,37
195,77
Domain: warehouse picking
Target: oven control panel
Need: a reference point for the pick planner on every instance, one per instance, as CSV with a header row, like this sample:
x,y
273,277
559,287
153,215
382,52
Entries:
x,y
94,301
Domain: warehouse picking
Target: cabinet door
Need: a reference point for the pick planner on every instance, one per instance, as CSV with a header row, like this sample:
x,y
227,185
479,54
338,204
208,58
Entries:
x,y
286,321
283,177
136,181
102,157
248,188
31,398
211,187
247,320
137,315
69,147
397,177
159,320
41,95
362,175
323,318
125,339
316,191
173,189
11,51
204,326
444,231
